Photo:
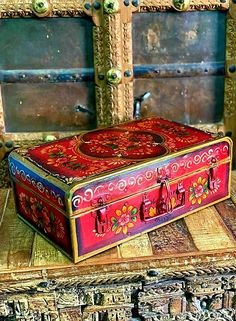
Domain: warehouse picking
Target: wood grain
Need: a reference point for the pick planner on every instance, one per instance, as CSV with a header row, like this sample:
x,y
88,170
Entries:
x,y
137,247
233,187
4,195
172,238
207,230
112,253
45,253
227,211
16,239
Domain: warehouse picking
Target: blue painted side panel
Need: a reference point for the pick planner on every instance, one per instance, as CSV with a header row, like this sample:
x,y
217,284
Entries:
x,y
38,184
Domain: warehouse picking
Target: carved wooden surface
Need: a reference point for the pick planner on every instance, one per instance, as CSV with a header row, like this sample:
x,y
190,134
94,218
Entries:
x,y
230,80
183,271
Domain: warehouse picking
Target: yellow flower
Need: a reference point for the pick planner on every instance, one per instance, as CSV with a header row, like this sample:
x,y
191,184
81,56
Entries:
x,y
124,220
199,191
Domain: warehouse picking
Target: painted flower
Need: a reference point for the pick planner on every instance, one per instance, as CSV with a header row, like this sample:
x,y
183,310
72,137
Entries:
x,y
171,144
46,222
125,219
199,191
25,203
62,160
36,208
57,155
118,162
41,216
59,228
54,151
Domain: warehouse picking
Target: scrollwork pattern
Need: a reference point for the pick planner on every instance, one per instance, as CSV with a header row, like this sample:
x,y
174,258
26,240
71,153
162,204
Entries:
x,y
38,185
120,185
201,158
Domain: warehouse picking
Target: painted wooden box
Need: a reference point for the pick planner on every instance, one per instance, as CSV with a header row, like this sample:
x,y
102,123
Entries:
x,y
92,191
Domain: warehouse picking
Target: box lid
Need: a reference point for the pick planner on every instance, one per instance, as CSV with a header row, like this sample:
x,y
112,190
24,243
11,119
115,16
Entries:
x,y
78,158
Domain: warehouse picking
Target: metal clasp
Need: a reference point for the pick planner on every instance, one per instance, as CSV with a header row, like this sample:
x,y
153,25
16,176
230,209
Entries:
x,y
180,193
147,211
101,218
164,204
212,174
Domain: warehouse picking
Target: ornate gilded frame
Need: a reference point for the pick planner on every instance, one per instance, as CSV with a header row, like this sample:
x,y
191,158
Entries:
x,y
112,33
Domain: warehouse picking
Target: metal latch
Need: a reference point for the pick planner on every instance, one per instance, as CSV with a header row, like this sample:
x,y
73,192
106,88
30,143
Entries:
x,y
212,174
147,211
180,193
164,203
101,218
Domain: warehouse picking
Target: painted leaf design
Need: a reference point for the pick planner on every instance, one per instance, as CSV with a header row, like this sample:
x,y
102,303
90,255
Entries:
x,y
52,217
113,219
114,227
191,197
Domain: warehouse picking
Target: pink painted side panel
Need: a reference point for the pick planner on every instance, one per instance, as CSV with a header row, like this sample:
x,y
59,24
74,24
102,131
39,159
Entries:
x,y
147,210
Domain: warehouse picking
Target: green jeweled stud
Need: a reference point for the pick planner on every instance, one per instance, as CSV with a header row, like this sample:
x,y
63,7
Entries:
x,y
181,5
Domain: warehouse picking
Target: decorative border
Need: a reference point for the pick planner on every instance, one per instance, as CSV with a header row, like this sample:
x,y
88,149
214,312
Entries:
x,y
73,8
153,270
230,80
23,9
39,186
160,5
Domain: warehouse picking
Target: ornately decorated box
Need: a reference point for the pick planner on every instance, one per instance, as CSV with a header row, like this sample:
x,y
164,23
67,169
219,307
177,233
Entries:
x,y
88,192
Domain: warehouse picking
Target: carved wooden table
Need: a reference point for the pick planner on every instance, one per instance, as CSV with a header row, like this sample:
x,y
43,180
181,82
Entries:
x,y
182,271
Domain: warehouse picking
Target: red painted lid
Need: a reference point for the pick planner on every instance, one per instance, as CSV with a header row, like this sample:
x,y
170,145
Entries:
x,y
104,150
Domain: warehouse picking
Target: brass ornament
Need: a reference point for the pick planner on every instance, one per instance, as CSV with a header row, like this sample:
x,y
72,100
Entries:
x,y
181,5
111,6
114,76
41,8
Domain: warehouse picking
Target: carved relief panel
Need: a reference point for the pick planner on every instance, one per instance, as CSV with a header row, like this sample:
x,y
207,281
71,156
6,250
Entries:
x,y
201,297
